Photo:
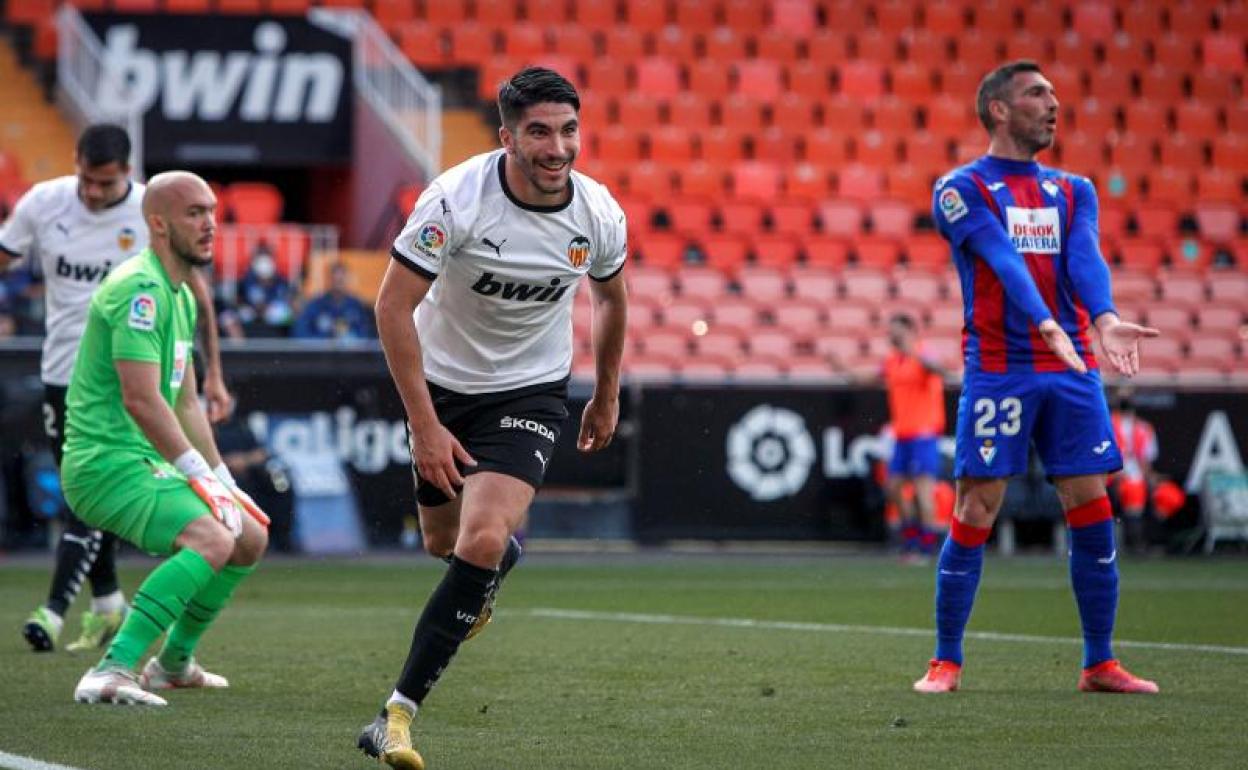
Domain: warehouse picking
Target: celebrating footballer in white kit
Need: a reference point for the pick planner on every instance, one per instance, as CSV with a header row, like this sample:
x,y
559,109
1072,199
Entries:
x,y
490,261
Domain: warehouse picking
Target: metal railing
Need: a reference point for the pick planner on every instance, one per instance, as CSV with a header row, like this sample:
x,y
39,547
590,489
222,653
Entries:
x,y
90,90
292,247
408,104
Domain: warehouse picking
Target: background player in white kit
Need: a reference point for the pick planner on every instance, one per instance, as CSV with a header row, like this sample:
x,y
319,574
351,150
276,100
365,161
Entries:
x,y
77,229
490,260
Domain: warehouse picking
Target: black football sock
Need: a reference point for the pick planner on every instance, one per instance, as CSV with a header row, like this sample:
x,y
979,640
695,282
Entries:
x,y
76,554
451,611
103,574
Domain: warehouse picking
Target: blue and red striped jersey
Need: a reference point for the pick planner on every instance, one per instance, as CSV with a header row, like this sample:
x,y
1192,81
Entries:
x,y
1050,220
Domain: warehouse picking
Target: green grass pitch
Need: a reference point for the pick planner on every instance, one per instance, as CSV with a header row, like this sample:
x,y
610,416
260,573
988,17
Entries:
x,y
312,648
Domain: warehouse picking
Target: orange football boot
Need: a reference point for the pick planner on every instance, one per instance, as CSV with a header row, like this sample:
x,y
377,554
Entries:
x,y
1110,676
941,676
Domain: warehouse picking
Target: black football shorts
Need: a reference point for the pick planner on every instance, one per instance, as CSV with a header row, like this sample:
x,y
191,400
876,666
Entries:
x,y
512,432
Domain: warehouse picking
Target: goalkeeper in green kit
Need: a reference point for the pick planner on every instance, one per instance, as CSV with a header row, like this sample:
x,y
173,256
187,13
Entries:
x,y
140,460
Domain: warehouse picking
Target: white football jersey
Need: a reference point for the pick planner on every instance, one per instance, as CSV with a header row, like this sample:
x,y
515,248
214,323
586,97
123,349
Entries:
x,y
74,248
499,314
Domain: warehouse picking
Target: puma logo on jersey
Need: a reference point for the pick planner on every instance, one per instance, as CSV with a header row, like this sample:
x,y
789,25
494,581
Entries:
x,y
540,459
497,248
486,286
64,230
88,273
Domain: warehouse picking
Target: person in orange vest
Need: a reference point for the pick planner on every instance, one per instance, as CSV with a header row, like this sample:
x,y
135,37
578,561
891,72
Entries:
x,y
1137,440
916,405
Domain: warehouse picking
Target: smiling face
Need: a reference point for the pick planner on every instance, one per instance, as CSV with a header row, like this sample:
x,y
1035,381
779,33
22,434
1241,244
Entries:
x,y
1028,116
541,148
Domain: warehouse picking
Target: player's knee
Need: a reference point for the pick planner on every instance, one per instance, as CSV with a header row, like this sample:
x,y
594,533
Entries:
x,y
482,546
438,544
215,546
974,511
250,547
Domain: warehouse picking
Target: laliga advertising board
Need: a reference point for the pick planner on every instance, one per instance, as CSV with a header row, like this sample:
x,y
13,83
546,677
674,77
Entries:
x,y
226,90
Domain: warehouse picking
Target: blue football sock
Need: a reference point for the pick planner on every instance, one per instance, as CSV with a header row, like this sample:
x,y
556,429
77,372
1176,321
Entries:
x,y
1094,578
957,578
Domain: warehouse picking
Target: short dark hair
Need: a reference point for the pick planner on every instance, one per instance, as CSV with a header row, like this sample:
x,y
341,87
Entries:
x,y
995,85
530,86
104,143
903,319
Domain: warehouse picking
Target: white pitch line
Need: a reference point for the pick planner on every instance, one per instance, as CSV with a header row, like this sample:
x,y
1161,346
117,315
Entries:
x,y
18,762
839,628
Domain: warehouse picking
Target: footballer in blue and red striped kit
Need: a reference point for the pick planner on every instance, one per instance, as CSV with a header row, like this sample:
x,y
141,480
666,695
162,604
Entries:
x,y
1025,241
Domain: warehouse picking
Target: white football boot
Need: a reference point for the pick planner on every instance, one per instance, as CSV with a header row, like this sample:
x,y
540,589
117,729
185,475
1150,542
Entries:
x,y
116,686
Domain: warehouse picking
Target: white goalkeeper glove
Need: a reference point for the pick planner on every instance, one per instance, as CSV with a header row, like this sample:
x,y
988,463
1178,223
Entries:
x,y
225,508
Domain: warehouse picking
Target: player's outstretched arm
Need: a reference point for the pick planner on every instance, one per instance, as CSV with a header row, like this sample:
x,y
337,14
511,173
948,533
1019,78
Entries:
x,y
434,449
602,413
220,402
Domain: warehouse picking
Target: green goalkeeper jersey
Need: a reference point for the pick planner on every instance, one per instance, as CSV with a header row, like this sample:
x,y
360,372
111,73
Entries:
x,y
137,314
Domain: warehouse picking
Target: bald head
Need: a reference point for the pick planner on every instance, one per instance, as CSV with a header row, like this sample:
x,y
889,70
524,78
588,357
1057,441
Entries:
x,y
178,207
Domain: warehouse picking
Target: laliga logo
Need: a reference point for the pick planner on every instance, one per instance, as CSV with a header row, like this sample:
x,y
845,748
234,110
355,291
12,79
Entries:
x,y
770,452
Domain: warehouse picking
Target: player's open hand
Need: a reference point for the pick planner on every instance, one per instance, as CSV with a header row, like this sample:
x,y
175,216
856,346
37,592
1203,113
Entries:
x,y
435,452
1055,337
598,424
1121,342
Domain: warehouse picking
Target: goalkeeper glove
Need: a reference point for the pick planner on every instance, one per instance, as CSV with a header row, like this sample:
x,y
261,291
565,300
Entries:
x,y
210,489
244,499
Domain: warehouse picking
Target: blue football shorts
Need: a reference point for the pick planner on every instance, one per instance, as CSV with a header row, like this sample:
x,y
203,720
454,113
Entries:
x,y
1063,413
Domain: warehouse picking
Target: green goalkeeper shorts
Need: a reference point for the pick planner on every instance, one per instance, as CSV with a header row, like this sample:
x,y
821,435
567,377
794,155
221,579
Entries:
x,y
145,502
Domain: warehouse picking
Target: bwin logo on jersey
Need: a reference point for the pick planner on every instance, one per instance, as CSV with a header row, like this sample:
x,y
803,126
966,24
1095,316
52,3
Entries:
x,y
266,85
486,286
76,272
770,452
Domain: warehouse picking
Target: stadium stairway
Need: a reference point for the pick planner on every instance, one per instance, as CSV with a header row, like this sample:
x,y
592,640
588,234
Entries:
x,y
33,130
465,134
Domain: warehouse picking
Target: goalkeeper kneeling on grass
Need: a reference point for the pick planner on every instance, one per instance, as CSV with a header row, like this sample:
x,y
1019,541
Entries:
x,y
140,460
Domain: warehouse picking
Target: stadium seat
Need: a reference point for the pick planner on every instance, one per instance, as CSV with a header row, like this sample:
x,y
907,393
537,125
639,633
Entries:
x,y
1134,287
1146,117
826,147
842,217
775,45
1067,82
689,216
724,46
807,182
876,252
828,47
959,80
1170,319
702,180
794,18
791,217
131,6
1214,86
639,112
875,45
657,77
891,218
1143,20
849,315
1218,222
745,15
912,183
1026,44
775,250
671,145
663,250
571,41
894,116
1133,153
1218,349
758,79
926,251
861,80
795,113
1196,119
697,16
670,344
724,345
742,215
950,117
1161,83
675,43
767,285
945,17
867,285
1113,220
703,282
1215,185
776,145
945,319
1094,21
877,149
1073,50
741,113
797,320
808,79
276,7
1125,52
1094,116
623,45
1227,320
1224,51
739,315
1171,185
1140,253
911,82
722,145
606,77
927,49
654,284
646,15
422,44
825,251
681,315
523,40
1157,220
860,182
689,109
710,79
617,144
1179,290
1230,152
253,203
1181,151
598,15
977,49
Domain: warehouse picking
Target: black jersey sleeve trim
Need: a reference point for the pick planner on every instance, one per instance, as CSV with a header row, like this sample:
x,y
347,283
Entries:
x,y
410,265
606,278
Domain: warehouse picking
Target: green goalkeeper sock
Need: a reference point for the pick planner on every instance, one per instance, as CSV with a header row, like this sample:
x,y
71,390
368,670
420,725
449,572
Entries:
x,y
198,615
157,604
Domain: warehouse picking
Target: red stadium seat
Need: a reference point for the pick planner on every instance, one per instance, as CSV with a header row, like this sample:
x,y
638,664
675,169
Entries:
x,y
741,216
1226,320
876,252
1215,185
1124,51
868,285
675,43
745,15
738,315
680,315
861,80
493,71
570,40
875,45
950,117
842,347
1230,152
702,180
593,14
623,45
946,17
758,79
825,251
816,285
500,14
703,282
1140,253
646,15
945,319
1026,44
1134,287
722,145
791,217
776,45
775,346
891,218
670,344
927,251
1170,186
658,77
894,115
649,180
607,78
1237,117
850,315
1133,153
689,109
742,113
253,203
1219,222
1224,51
809,79
807,181
654,284
911,82
1155,220
1146,117
1092,116
795,18
1196,119
1144,20
696,15
917,288
524,41
756,181
690,217
959,80
671,145
1175,52
912,184
877,149
1161,83
709,78
775,250
1181,151
723,46
1094,21
842,217
842,114
860,182
1074,50
638,111
977,49
799,321
1229,287
927,49
826,147
763,284
1213,86
617,144
422,44
828,47
664,251
776,145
